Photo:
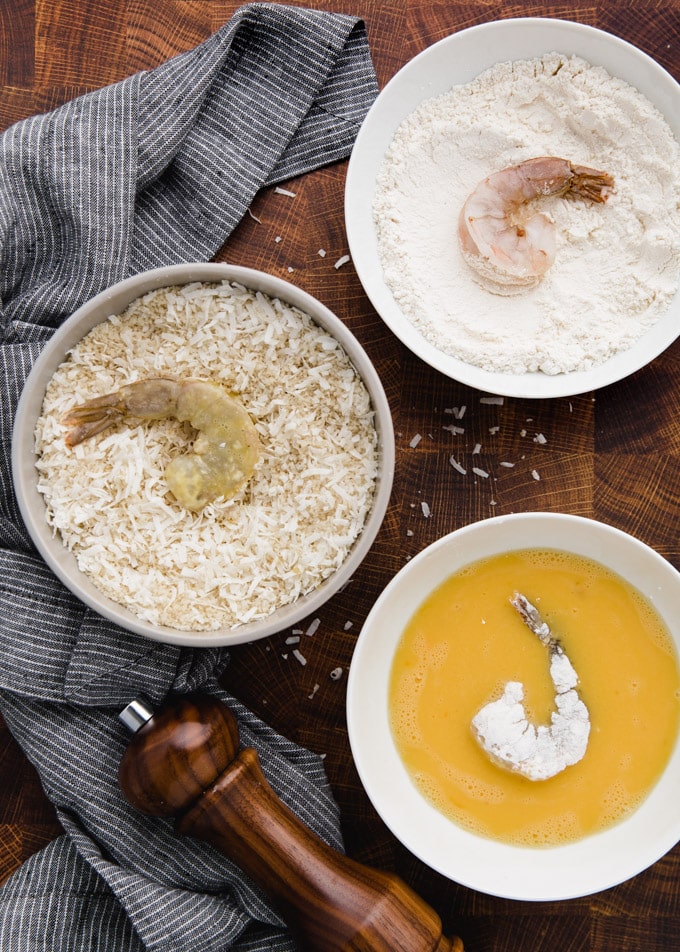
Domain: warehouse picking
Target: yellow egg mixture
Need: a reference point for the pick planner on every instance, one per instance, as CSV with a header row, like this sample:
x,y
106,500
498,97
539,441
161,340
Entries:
x,y
466,641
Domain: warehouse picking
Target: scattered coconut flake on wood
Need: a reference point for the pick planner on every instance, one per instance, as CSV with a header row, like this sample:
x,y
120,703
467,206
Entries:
x,y
540,438
284,191
314,690
477,449
415,441
493,401
478,471
456,430
336,674
506,464
313,628
300,657
321,252
457,466
535,475
341,261
426,509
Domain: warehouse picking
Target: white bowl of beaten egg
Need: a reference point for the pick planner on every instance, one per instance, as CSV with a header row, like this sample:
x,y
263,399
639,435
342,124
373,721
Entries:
x,y
214,369
573,788
496,97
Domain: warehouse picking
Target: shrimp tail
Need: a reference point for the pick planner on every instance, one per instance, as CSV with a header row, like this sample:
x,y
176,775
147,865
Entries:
x,y
91,418
150,399
591,184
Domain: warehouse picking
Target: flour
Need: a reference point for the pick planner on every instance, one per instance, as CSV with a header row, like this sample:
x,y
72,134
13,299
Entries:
x,y
617,265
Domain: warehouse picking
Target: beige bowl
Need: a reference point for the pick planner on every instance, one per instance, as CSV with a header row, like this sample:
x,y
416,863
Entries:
x,y
575,869
31,502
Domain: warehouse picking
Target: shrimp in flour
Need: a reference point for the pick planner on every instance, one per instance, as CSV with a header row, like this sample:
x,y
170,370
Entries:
x,y
224,452
504,731
503,238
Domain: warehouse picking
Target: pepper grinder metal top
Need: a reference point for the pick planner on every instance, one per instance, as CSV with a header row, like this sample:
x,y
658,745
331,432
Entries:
x,y
136,714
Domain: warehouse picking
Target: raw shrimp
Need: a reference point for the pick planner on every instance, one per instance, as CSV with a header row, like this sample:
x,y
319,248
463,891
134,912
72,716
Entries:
x,y
507,242
226,447
504,731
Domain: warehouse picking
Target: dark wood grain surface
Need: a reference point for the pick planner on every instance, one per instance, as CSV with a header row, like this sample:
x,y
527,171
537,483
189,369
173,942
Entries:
x,y
613,455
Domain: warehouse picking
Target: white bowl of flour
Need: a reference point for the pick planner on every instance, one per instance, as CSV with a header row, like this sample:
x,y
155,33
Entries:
x,y
477,102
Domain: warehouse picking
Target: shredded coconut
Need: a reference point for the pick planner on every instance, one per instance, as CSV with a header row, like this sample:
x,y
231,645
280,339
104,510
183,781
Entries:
x,y
285,532
313,628
616,268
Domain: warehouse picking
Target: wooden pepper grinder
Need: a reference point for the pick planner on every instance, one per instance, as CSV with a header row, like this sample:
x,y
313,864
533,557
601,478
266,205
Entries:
x,y
185,761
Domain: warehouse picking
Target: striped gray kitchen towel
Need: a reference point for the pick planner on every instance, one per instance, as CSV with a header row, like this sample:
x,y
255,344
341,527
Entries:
x,y
155,170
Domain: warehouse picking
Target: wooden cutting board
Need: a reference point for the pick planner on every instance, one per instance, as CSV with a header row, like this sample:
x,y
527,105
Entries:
x,y
614,455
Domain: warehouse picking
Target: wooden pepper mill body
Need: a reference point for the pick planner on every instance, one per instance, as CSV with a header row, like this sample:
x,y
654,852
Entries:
x,y
185,762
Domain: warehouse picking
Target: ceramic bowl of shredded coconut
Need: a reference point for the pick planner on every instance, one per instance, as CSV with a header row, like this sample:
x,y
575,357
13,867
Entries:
x,y
510,274
513,706
203,454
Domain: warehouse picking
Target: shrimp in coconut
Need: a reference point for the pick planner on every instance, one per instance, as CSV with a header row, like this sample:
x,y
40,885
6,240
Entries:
x,y
505,733
224,452
503,238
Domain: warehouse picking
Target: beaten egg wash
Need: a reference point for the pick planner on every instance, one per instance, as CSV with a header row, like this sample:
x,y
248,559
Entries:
x,y
466,642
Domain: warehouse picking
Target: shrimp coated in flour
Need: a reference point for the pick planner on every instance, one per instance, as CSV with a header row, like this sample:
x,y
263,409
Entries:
x,y
226,447
503,238
504,731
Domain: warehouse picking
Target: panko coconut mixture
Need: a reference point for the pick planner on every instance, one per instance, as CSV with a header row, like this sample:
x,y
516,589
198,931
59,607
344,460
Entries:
x,y
284,532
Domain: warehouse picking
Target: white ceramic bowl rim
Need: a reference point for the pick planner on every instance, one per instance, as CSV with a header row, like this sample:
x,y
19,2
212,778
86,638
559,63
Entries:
x,y
460,58
32,505
564,872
